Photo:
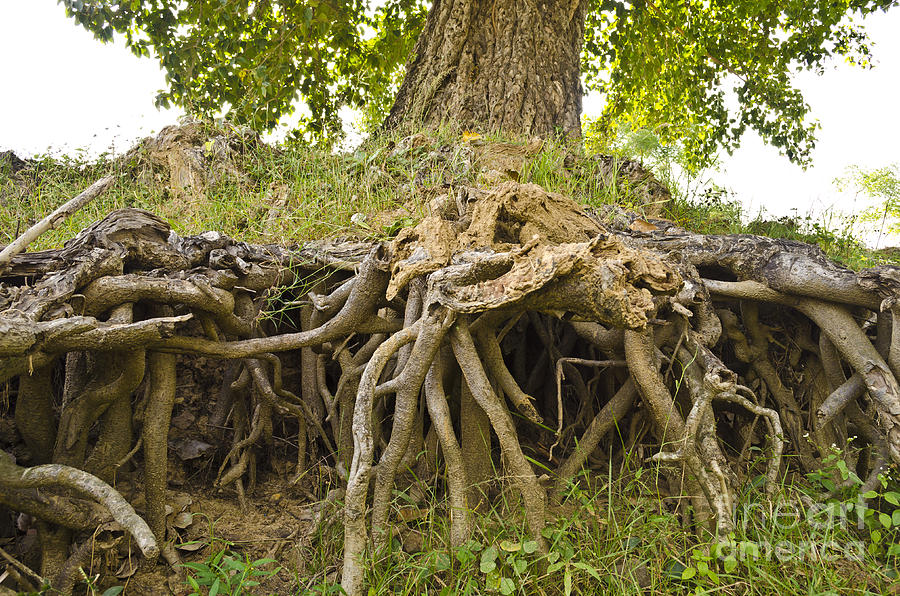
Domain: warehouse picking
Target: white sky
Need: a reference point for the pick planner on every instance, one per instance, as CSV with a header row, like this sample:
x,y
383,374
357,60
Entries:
x,y
63,90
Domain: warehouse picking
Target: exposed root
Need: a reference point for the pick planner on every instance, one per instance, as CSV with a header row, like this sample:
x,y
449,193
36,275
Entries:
x,y
457,483
486,311
519,469
355,534
433,328
157,416
86,485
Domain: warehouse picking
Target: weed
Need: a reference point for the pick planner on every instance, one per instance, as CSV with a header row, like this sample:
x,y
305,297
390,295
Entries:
x,y
225,571
90,583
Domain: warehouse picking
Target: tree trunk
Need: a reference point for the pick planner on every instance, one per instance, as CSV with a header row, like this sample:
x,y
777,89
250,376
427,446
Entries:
x,y
510,65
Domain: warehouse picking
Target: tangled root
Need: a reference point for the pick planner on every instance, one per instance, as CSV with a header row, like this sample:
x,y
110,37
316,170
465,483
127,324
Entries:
x,y
524,309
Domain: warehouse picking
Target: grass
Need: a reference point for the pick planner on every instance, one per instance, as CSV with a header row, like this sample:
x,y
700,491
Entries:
x,y
614,534
292,193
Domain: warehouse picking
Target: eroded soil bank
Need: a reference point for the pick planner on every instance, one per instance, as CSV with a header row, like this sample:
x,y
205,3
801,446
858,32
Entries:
x,y
162,390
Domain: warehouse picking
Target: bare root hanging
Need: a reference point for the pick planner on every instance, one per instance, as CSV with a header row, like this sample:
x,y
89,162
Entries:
x,y
519,320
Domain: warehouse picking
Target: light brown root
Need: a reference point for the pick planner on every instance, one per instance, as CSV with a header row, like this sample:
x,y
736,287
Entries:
x,y
501,421
492,357
455,473
34,414
609,417
157,417
433,328
840,327
86,485
355,535
674,433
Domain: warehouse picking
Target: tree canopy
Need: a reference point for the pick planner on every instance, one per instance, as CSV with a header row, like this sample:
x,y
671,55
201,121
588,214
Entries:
x,y
701,72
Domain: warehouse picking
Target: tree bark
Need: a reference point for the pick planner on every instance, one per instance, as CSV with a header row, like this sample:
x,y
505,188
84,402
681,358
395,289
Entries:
x,y
490,65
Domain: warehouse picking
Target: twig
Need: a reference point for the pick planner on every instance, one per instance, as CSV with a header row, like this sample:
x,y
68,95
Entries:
x,y
53,220
560,375
35,579
130,454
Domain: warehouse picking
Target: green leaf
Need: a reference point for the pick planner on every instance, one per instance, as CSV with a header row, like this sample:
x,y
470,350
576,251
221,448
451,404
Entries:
x,y
567,582
214,589
590,570
885,520
554,567
529,546
489,554
869,494
730,563
749,549
113,591
464,556
688,573
892,497
507,586
842,468
488,560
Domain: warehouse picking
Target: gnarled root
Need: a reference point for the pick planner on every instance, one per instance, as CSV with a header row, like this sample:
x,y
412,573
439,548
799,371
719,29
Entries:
x,y
503,319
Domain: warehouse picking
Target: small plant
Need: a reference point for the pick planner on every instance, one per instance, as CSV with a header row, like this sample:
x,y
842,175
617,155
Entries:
x,y
882,185
91,583
874,513
225,571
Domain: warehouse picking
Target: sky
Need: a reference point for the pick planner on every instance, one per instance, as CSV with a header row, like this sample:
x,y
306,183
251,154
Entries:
x,y
65,92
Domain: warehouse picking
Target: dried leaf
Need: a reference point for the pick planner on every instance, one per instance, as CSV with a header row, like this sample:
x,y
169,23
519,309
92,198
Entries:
x,y
183,520
642,225
187,449
128,568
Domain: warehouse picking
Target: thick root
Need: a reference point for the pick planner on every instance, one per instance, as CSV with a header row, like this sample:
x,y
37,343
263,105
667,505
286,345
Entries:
x,y
502,318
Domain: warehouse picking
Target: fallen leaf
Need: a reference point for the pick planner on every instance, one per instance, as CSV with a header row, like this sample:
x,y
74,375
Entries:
x,y
642,225
187,449
191,546
127,568
183,520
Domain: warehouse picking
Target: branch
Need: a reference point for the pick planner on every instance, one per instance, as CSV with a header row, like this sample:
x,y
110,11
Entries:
x,y
53,220
88,485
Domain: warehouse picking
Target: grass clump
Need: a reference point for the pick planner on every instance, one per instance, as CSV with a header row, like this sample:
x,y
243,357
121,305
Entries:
x,y
615,533
292,193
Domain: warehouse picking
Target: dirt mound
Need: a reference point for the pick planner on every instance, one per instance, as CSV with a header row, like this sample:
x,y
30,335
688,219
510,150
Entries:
x,y
542,245
12,164
190,156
